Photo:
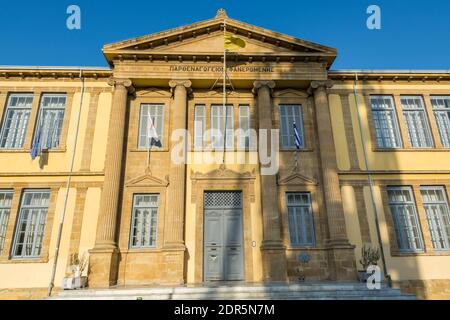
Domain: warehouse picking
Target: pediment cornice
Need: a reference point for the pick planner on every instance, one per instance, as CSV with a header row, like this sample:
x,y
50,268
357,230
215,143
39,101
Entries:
x,y
295,179
148,180
163,45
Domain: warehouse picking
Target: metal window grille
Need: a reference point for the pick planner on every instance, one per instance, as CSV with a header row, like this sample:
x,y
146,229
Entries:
x,y
244,126
404,213
223,199
218,126
416,121
300,219
438,216
385,122
441,110
287,115
144,222
51,116
199,126
5,208
156,113
31,224
16,120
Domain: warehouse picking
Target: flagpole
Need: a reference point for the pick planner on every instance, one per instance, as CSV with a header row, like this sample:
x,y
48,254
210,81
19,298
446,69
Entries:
x,y
224,98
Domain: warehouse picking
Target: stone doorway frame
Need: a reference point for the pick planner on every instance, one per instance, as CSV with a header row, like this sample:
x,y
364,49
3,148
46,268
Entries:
x,y
223,179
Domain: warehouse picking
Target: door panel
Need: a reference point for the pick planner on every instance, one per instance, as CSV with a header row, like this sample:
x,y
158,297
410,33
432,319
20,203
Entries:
x,y
223,250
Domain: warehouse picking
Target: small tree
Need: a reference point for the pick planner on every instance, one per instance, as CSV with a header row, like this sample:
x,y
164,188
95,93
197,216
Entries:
x,y
369,256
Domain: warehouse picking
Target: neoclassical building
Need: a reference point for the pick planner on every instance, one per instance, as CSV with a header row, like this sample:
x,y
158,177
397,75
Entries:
x,y
373,166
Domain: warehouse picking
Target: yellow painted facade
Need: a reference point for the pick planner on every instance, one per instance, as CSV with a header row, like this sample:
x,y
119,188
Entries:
x,y
178,69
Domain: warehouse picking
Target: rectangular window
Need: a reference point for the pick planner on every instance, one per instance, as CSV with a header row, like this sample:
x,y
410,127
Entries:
x,y
438,216
50,121
404,214
218,125
300,219
441,110
199,127
31,224
416,121
244,126
287,115
144,221
5,208
15,122
385,122
151,115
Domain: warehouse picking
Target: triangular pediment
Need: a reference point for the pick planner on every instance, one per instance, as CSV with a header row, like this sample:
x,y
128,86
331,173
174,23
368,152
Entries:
x,y
148,180
296,179
206,39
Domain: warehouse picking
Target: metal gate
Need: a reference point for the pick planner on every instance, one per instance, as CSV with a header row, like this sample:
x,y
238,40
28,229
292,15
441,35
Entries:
x,y
223,251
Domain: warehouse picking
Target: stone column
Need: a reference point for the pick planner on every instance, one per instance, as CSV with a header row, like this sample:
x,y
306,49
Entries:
x,y
174,247
341,253
103,261
273,250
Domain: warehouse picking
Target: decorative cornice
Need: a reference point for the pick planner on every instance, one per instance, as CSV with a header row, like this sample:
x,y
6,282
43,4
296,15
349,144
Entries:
x,y
52,73
222,173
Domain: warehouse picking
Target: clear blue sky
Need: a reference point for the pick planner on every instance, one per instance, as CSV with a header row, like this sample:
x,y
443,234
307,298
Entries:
x,y
414,34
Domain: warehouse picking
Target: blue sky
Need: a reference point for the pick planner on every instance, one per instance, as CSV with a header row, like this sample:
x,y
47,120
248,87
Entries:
x,y
414,34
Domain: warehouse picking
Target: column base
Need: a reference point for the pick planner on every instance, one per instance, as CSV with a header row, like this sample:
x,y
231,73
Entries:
x,y
342,262
103,267
274,261
174,264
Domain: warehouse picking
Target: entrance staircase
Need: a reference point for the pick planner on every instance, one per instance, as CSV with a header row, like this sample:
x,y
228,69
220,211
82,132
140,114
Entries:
x,y
233,291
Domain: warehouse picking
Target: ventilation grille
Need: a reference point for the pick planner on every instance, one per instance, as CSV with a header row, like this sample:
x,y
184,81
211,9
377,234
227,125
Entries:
x,y
227,199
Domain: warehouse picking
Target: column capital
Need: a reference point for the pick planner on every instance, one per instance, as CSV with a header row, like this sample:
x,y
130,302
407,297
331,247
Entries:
x,y
180,82
320,85
258,84
120,82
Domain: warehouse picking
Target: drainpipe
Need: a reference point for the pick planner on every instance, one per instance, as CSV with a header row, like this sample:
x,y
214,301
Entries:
x,y
66,195
369,176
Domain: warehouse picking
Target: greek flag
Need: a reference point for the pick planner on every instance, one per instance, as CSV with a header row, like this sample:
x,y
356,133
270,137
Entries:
x,y
36,148
296,136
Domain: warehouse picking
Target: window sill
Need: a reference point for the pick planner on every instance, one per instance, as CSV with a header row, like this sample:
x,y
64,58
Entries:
x,y
420,254
411,150
151,150
298,150
141,250
23,260
28,151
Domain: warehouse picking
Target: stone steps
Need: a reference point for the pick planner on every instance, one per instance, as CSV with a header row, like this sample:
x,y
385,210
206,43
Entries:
x,y
306,291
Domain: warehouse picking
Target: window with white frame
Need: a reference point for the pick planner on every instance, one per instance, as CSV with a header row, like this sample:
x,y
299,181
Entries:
x,y
199,127
144,221
220,116
50,121
404,214
5,208
151,115
438,216
244,126
287,115
385,122
300,219
416,121
31,224
15,121
441,110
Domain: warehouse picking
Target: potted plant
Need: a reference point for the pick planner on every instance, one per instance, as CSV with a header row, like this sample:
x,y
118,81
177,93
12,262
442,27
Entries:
x,y
76,280
369,257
